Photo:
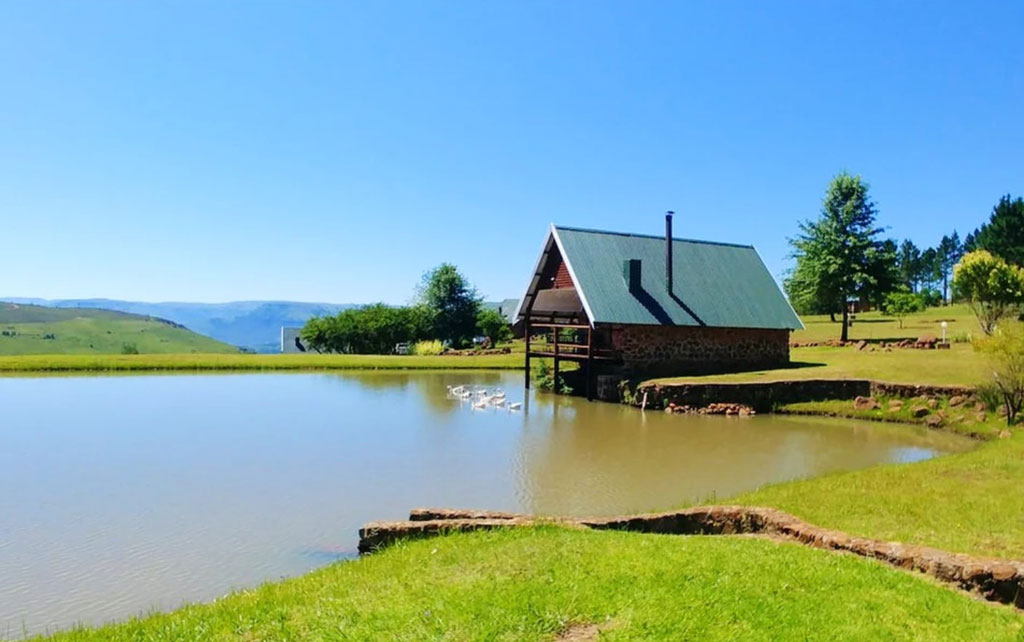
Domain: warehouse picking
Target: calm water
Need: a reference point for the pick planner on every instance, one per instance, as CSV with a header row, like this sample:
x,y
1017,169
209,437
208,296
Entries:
x,y
119,495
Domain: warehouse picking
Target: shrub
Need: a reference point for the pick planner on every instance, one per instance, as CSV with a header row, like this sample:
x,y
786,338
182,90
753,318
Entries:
x,y
129,348
1005,349
544,378
428,348
962,337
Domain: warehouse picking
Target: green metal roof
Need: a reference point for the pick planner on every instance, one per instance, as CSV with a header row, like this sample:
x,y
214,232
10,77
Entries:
x,y
715,284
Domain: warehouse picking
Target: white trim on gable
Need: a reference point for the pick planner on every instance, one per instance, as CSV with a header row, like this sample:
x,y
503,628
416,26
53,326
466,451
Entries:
x,y
572,275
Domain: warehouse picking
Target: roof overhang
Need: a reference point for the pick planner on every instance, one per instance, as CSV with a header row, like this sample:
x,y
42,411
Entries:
x,y
529,300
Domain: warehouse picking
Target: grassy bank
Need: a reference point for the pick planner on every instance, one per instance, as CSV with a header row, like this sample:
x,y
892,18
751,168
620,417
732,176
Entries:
x,y
538,584
970,502
255,362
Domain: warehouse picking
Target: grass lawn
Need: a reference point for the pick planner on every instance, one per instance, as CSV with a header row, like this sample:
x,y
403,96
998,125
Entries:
x,y
212,362
538,583
971,502
960,365
875,326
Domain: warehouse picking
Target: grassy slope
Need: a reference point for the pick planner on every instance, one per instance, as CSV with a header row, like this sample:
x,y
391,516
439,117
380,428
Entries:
x,y
533,584
93,331
202,362
971,502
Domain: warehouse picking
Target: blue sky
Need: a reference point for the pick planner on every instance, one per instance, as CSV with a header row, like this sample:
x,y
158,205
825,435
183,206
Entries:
x,y
324,151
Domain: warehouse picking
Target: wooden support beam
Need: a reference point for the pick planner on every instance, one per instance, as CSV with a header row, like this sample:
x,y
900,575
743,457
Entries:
x,y
590,364
527,326
554,331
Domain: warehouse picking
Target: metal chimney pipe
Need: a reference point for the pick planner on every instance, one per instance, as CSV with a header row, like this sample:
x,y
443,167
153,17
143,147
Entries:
x,y
668,250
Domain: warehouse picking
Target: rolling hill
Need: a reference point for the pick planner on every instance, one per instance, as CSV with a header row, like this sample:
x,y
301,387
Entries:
x,y
254,325
33,329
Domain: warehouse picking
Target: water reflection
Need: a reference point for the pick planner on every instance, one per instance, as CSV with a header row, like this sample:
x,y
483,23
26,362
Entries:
x,y
122,494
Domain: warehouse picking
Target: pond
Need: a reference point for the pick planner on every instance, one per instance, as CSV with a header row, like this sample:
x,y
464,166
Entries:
x,y
120,495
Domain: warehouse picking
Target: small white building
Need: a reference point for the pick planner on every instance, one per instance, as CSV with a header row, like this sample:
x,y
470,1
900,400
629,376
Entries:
x,y
291,342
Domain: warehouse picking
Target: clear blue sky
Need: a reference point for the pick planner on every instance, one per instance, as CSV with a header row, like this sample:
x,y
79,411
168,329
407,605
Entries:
x,y
324,151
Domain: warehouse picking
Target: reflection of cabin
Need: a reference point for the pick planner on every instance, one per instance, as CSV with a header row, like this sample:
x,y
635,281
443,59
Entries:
x,y
646,304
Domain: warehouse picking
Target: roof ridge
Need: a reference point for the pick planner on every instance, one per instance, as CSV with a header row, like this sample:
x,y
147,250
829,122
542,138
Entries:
x,y
649,236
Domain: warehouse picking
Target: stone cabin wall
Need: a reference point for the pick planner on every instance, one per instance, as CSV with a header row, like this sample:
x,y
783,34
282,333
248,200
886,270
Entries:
x,y
686,350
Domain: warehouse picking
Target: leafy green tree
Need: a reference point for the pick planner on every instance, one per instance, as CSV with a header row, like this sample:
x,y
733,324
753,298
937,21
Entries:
x,y
840,255
453,302
1003,235
993,288
909,264
493,325
901,304
371,329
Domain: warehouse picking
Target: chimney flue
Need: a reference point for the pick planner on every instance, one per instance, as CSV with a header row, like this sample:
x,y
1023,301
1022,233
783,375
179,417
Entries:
x,y
668,250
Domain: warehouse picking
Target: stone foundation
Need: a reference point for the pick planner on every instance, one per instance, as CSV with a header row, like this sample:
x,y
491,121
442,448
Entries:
x,y
692,350
993,579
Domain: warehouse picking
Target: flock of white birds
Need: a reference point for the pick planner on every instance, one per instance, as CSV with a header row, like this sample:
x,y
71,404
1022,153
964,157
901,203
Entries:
x,y
482,399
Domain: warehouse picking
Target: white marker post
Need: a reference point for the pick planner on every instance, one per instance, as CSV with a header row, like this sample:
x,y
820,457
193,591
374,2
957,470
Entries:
x,y
944,325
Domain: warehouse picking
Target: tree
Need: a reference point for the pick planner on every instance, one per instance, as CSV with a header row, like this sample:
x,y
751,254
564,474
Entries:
x,y
371,329
453,302
909,263
900,304
947,254
1006,353
840,255
928,269
493,325
1003,235
992,287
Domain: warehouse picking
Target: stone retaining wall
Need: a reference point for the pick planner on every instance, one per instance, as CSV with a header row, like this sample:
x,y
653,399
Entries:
x,y
762,397
693,350
994,579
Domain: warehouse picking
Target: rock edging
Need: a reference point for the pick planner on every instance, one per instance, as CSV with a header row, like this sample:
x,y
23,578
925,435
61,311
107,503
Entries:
x,y
763,396
994,579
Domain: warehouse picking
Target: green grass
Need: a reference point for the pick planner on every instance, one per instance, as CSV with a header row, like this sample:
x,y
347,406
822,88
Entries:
x,y
960,365
228,362
875,326
537,583
970,502
29,329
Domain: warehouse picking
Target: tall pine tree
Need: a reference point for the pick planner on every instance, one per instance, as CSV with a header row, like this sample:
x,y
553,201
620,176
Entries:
x,y
841,256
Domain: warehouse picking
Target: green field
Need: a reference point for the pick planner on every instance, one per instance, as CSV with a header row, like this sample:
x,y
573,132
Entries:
x,y
550,583
874,326
30,329
960,365
226,362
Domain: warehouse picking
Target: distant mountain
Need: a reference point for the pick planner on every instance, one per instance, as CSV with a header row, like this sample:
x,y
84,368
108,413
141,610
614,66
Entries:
x,y
254,325
33,329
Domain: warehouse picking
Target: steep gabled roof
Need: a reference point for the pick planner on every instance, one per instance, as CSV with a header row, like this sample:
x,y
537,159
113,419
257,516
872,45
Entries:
x,y
715,284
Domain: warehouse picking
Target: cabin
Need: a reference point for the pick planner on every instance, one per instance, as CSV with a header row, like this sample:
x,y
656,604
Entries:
x,y
647,304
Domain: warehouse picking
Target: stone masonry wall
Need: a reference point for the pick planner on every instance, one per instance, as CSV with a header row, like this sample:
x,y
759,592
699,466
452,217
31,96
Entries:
x,y
686,350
